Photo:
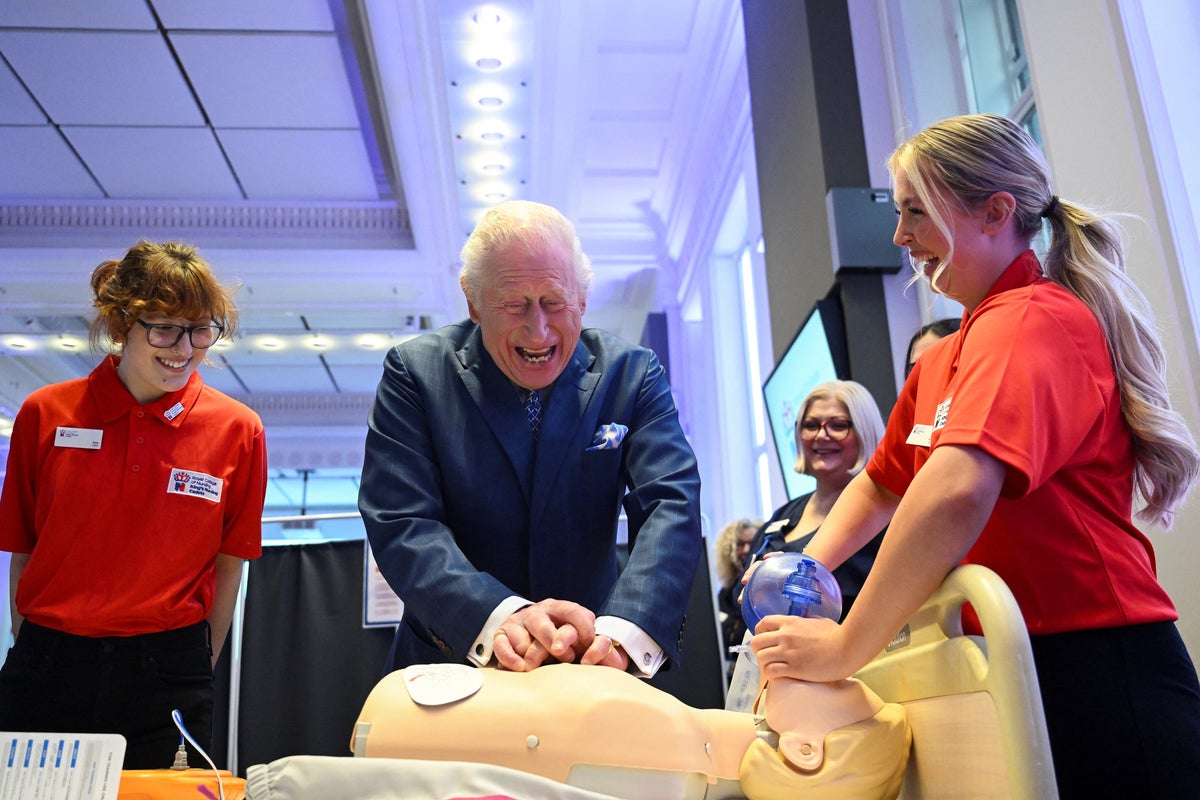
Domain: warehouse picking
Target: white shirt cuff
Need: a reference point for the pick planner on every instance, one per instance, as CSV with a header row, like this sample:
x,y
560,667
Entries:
x,y
481,650
645,656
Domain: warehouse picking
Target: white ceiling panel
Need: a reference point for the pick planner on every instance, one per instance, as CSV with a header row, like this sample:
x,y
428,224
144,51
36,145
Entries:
x,y
647,24
322,165
250,80
35,163
309,377
290,289
123,14
617,197
16,105
358,378
630,90
260,15
221,379
101,78
625,145
163,163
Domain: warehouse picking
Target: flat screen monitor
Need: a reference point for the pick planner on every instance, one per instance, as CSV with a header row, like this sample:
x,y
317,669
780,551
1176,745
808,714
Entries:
x,y
817,354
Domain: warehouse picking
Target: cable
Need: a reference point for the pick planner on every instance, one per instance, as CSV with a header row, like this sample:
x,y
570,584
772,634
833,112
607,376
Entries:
x,y
178,719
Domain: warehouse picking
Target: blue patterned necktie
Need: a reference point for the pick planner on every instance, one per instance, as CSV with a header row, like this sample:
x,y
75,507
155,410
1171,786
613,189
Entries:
x,y
533,411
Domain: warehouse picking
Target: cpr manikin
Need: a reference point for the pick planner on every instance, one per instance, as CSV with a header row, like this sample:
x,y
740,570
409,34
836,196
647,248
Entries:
x,y
599,729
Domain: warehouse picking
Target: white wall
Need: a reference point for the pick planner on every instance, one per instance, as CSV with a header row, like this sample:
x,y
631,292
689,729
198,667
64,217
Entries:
x,y
1102,150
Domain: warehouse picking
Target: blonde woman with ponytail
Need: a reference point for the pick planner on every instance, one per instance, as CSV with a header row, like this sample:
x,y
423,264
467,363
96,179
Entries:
x,y
1025,442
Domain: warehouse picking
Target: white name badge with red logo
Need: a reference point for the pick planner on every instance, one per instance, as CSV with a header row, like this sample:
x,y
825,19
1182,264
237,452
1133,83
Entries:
x,y
79,438
194,484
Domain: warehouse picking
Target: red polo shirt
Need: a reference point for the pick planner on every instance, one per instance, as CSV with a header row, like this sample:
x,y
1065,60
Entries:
x,y
123,508
1028,379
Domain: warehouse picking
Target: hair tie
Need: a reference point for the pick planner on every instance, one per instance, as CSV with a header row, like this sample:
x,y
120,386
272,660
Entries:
x,y
1049,210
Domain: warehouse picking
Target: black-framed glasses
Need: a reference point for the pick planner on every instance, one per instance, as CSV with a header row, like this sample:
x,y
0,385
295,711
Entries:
x,y
162,335
834,428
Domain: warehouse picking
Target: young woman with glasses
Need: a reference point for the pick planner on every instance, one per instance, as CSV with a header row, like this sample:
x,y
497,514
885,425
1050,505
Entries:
x,y
131,500
837,430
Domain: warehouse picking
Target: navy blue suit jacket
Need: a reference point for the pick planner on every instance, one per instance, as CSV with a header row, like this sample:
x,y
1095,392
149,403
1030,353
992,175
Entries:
x,y
462,510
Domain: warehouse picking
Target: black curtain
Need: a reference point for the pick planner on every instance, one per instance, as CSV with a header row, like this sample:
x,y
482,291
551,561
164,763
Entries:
x,y
308,664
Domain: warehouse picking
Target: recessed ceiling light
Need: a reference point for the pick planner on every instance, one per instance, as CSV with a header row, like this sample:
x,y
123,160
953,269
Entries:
x,y
370,341
69,343
486,18
271,343
491,136
493,168
494,197
488,64
491,102
19,343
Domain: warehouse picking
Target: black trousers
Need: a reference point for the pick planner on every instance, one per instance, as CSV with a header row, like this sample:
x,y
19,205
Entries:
x,y
54,682
1123,712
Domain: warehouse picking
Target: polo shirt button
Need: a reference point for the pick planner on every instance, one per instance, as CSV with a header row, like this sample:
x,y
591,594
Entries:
x,y
137,468
140,440
141,413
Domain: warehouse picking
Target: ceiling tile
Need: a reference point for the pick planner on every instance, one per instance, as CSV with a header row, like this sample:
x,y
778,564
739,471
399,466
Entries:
x,y
276,377
164,163
360,378
16,105
36,163
619,197
318,165
261,15
622,145
101,78
110,14
631,90
664,25
221,379
251,80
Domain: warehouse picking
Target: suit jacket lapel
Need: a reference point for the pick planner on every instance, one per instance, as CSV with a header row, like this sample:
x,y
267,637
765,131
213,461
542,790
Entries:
x,y
500,406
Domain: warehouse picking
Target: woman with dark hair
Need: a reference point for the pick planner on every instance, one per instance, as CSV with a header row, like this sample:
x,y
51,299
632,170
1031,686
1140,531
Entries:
x,y
925,337
131,500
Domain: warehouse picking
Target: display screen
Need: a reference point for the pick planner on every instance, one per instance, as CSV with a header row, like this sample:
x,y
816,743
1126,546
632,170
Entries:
x,y
817,354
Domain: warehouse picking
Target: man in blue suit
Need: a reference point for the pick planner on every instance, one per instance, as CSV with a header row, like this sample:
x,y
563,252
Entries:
x,y
499,453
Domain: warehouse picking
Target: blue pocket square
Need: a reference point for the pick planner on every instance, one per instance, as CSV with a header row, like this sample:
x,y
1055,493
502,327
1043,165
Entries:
x,y
609,437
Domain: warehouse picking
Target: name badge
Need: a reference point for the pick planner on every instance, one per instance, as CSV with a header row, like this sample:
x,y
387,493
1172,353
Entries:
x,y
80,438
921,436
195,484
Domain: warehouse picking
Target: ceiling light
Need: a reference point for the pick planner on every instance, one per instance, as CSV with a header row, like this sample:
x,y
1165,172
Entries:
x,y
494,197
491,136
371,341
494,169
486,18
69,343
271,343
319,342
487,63
19,343
490,102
